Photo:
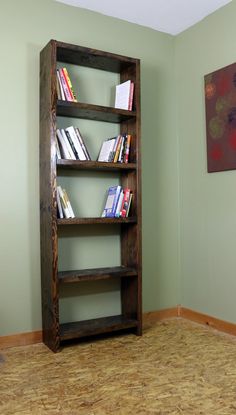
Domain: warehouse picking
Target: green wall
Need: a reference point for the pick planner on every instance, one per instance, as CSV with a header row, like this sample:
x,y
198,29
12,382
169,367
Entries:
x,y
25,27
207,201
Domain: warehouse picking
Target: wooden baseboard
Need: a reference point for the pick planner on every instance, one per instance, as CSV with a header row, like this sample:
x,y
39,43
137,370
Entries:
x,y
209,321
150,317
21,339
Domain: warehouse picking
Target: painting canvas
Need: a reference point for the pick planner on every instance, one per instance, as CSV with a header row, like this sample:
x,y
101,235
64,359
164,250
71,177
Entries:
x,y
220,100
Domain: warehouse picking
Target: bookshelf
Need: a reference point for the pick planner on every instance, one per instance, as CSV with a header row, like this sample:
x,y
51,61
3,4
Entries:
x,y
128,273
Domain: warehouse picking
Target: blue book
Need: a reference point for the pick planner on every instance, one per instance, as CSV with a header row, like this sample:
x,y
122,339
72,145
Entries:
x,y
111,202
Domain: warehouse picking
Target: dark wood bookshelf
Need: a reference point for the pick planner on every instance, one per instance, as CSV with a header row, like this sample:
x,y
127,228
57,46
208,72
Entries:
x,y
129,274
94,274
93,327
94,165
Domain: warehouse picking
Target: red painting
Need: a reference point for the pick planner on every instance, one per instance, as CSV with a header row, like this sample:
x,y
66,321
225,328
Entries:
x,y
220,99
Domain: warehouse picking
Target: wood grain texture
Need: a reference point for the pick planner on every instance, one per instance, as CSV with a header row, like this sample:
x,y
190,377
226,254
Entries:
x,y
131,297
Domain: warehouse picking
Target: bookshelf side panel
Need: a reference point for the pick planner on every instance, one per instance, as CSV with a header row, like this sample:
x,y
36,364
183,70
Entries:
x,y
48,206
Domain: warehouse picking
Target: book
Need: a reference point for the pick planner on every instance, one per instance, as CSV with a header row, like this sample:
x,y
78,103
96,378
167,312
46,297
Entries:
x,y
65,72
127,148
83,145
119,204
125,202
59,206
66,89
124,95
129,203
72,215
72,132
62,95
106,150
63,146
69,148
113,194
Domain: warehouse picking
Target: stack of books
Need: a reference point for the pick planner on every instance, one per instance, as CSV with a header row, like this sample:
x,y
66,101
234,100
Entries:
x,y
64,207
118,202
64,86
124,95
70,144
115,149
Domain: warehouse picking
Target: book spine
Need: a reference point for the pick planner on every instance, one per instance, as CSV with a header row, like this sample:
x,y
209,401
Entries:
x,y
67,92
60,85
72,215
72,155
129,203
69,84
125,203
65,152
63,203
71,144
127,149
119,204
118,149
131,95
76,142
82,143
59,207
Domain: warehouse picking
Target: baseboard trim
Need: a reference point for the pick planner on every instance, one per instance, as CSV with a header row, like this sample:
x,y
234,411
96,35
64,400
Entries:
x,y
24,339
153,316
21,339
209,321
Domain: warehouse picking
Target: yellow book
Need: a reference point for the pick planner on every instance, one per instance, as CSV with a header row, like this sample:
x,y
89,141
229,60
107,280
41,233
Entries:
x,y
69,83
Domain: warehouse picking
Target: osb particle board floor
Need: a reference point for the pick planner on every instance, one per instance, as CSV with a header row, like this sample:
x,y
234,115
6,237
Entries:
x,y
176,367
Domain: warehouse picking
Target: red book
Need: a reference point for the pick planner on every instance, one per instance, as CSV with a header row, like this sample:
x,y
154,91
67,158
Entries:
x,y
65,86
125,202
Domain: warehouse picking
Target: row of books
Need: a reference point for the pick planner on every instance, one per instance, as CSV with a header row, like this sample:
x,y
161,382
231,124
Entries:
x,y
118,202
63,204
123,97
70,144
64,86
115,149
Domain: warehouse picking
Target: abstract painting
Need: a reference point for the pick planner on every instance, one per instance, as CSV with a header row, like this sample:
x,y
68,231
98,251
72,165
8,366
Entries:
x,y
220,103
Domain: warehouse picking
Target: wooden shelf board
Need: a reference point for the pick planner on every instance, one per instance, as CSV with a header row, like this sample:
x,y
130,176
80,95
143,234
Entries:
x,y
69,331
93,112
94,165
95,274
94,221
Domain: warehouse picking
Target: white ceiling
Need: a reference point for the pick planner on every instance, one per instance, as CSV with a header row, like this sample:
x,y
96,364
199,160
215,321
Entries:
x,y
169,16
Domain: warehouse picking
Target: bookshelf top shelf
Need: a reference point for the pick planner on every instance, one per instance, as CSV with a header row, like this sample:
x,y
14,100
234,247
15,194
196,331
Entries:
x,y
92,58
93,112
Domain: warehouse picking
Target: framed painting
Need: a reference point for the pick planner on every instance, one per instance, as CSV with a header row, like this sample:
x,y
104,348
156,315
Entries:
x,y
220,105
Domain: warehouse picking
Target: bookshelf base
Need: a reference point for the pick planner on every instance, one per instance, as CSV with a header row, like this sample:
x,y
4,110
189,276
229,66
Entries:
x,y
74,330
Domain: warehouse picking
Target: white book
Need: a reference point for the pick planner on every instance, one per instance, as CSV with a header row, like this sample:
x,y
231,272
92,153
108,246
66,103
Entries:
x,y
65,152
122,99
80,138
72,215
60,211
106,149
119,204
71,152
58,150
65,208
76,142
60,86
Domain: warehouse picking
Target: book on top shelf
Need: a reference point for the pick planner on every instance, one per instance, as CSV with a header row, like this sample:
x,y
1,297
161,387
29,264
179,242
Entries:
x,y
124,95
65,90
